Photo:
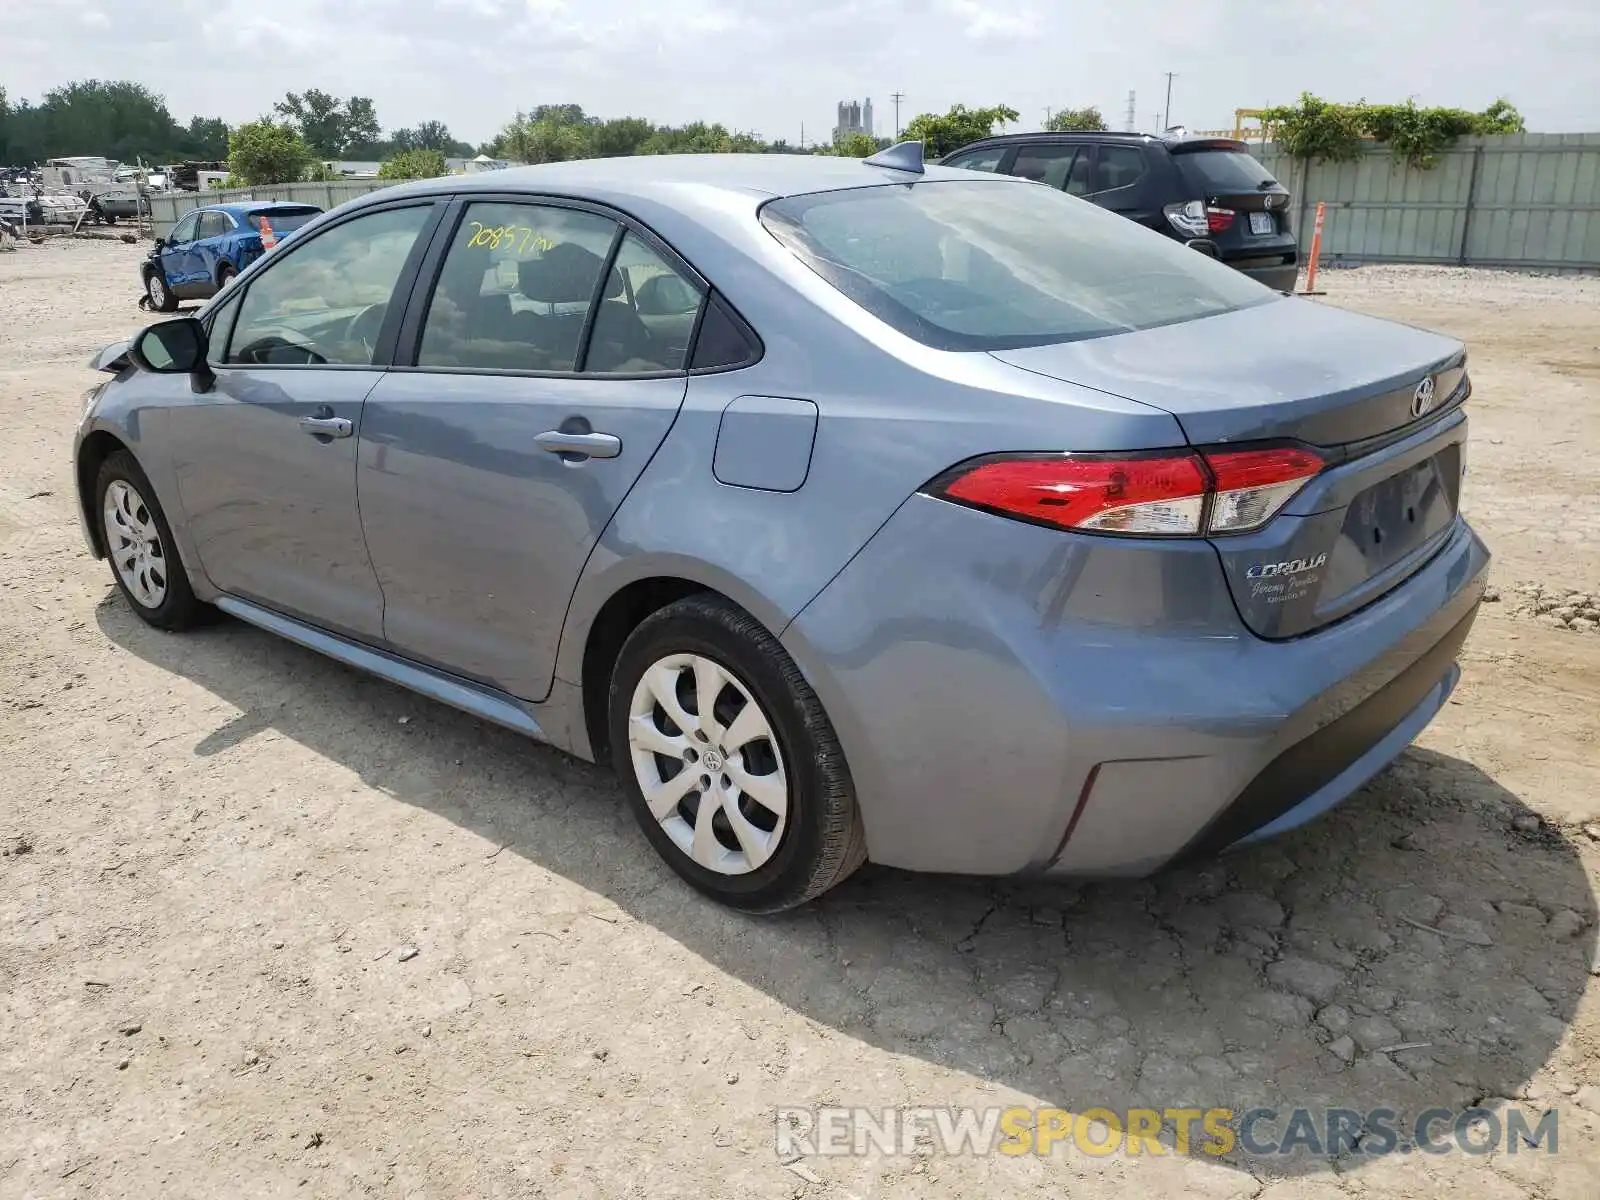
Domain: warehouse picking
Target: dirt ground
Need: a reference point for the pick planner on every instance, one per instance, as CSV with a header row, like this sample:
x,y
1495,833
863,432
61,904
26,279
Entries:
x,y
221,852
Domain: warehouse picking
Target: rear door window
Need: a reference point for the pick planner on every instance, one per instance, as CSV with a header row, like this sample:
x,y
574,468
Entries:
x,y
214,224
1046,164
1118,167
647,318
517,288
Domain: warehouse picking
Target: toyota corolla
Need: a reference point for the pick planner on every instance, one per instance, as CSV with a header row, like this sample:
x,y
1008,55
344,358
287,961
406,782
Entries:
x,y
851,510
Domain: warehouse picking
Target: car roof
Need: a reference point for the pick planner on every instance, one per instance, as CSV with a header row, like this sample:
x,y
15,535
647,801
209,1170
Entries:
x,y
668,178
1170,141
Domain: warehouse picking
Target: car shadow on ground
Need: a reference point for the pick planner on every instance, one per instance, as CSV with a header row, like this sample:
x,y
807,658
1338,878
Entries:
x,y
1414,949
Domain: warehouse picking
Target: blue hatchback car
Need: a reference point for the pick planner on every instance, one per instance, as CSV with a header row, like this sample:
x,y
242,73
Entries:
x,y
211,245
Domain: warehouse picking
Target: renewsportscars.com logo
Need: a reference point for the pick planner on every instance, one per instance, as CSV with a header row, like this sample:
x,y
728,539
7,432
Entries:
x,y
1099,1132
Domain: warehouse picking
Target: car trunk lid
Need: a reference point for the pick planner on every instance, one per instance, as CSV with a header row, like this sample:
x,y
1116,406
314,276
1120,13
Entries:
x,y
1379,401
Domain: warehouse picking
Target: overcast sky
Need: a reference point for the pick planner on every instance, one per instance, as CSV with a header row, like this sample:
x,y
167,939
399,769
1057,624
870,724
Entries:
x,y
769,65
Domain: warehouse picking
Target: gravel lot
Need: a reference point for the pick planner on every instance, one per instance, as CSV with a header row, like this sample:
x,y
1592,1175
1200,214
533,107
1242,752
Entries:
x,y
272,928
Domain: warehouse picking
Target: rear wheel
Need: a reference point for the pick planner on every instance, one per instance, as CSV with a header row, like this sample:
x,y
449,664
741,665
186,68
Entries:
x,y
729,761
139,543
161,297
225,274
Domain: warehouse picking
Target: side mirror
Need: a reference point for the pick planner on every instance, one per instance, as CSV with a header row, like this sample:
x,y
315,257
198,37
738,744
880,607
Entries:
x,y
161,243
176,347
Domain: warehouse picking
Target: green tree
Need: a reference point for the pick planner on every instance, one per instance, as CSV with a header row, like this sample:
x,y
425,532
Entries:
x,y
206,139
619,137
332,127
266,151
414,164
1087,120
319,118
115,118
940,135
360,124
857,145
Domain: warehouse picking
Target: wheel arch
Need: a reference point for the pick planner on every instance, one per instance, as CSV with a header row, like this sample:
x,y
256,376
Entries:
x,y
98,446
618,617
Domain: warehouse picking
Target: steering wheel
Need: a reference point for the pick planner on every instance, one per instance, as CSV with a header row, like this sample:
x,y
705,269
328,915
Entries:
x,y
365,327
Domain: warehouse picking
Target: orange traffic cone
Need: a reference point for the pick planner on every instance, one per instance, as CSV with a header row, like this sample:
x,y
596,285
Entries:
x,y
268,238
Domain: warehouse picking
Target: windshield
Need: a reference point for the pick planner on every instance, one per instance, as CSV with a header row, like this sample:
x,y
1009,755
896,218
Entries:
x,y
1223,171
284,220
996,265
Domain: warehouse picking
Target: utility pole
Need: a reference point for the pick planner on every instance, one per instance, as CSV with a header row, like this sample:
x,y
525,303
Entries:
x,y
1047,111
897,97
1166,119
1132,120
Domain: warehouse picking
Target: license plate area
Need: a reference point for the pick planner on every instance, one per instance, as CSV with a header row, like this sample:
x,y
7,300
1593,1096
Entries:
x,y
1262,224
1393,518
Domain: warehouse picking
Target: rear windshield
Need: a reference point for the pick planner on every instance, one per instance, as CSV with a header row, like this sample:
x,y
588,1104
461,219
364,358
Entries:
x,y
1223,171
992,265
283,219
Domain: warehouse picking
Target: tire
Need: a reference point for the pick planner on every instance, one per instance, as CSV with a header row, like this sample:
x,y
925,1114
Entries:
x,y
224,274
775,859
110,218
150,576
161,297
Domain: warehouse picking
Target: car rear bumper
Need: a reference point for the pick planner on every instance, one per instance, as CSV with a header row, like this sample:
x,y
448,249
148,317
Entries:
x,y
1017,699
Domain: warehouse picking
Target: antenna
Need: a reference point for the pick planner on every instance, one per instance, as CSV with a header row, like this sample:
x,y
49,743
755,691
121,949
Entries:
x,y
902,156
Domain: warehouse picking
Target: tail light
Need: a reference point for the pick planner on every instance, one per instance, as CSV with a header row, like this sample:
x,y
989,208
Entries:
x,y
1188,219
1218,219
1163,494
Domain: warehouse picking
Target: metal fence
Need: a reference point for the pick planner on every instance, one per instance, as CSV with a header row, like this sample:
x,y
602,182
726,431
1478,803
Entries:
x,y
1529,200
166,210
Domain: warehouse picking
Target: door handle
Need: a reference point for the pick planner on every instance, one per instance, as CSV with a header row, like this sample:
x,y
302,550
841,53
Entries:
x,y
327,427
579,445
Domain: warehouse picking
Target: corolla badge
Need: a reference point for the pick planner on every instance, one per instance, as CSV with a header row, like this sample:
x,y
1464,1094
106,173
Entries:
x,y
1422,399
1294,566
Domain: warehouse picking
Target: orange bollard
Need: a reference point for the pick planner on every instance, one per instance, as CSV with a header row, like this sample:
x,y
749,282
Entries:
x,y
1316,252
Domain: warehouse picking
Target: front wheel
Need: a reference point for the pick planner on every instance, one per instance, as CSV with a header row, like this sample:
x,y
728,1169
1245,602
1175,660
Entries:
x,y
730,763
139,543
161,297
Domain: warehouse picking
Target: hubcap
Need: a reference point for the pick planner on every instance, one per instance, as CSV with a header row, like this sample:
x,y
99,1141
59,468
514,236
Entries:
x,y
708,763
157,289
134,544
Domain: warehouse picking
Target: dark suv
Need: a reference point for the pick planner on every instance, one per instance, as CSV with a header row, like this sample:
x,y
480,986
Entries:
x,y
1208,192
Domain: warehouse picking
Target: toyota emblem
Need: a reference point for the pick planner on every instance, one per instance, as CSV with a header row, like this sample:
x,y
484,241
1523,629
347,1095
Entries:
x,y
1422,398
